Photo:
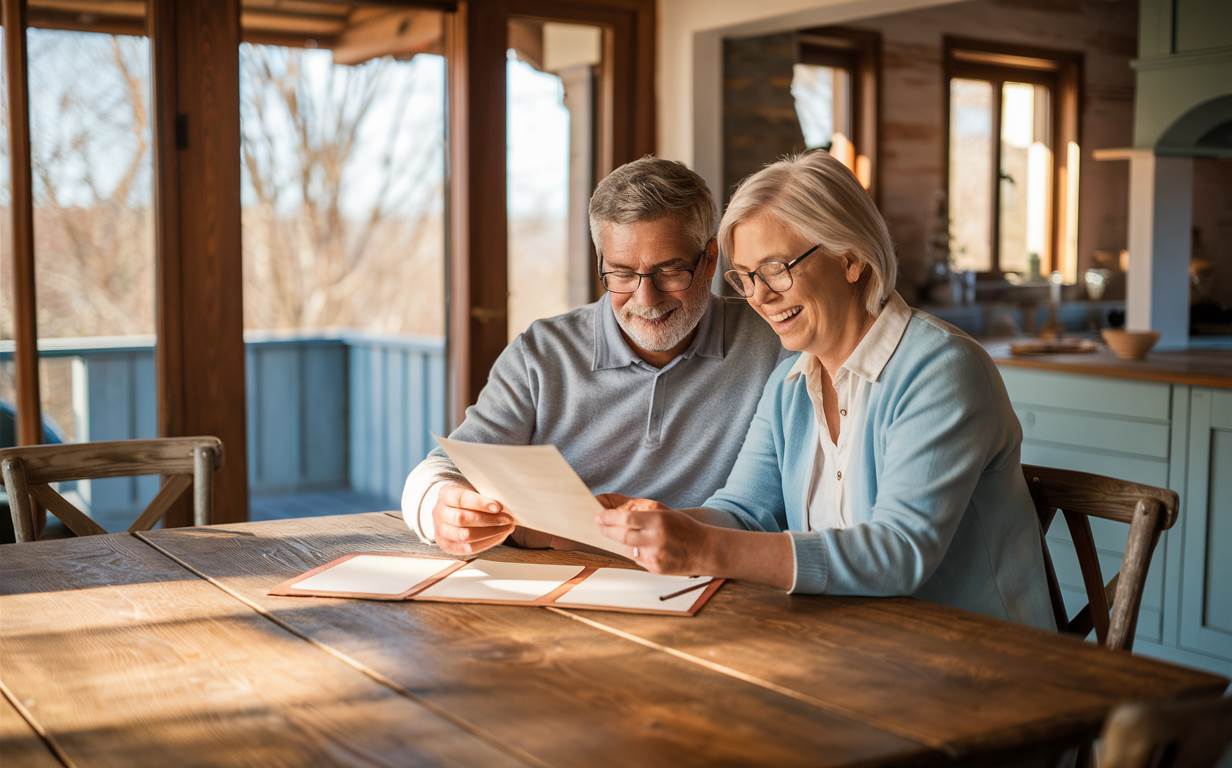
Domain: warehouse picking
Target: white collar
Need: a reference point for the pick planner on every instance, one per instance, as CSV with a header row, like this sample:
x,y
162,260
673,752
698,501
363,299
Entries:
x,y
874,351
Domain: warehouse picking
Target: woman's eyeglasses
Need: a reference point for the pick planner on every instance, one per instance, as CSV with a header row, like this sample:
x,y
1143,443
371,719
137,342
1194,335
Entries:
x,y
775,274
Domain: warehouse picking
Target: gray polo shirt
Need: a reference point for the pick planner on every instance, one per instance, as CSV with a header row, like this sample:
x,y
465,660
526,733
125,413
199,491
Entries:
x,y
669,433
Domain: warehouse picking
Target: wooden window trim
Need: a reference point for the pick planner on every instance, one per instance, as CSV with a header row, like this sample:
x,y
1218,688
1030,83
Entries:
x,y
1059,71
859,52
477,239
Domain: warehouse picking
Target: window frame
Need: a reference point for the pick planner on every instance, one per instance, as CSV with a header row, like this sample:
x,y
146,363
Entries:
x,y
195,104
858,52
998,63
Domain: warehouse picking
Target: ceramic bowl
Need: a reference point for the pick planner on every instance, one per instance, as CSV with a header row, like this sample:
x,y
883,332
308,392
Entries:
x,y
1130,345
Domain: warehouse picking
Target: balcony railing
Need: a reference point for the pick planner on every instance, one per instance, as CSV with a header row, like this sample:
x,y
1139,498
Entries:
x,y
325,412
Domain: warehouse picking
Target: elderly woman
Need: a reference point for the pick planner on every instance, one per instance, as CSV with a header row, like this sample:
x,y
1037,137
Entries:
x,y
883,458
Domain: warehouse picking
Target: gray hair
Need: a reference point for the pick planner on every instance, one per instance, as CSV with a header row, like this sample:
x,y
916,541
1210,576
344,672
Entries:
x,y
650,189
820,199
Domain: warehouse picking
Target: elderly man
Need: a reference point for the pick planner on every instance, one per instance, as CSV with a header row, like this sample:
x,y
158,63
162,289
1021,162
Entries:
x,y
648,391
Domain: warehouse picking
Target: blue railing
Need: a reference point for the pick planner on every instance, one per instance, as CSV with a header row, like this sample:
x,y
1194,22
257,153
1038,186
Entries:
x,y
325,412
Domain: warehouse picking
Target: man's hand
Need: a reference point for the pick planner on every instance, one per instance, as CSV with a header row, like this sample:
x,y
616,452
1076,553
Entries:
x,y
467,523
664,540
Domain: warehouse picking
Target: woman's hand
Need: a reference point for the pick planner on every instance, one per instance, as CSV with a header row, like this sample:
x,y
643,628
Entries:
x,y
663,540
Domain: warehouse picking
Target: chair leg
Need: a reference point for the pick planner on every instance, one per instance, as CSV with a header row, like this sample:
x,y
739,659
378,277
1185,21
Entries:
x,y
203,485
21,506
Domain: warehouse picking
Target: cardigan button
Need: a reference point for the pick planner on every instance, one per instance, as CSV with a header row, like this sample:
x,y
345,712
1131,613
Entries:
x,y
843,412
839,475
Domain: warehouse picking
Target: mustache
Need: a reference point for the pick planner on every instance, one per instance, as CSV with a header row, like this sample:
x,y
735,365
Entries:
x,y
649,313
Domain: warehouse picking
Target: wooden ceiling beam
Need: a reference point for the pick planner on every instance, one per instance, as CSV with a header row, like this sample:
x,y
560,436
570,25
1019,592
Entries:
x,y
526,37
85,22
312,26
390,33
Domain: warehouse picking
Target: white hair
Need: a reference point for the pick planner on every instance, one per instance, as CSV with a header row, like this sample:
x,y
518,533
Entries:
x,y
822,201
648,189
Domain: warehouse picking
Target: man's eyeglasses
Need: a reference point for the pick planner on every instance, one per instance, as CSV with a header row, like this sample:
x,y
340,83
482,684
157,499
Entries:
x,y
775,274
667,279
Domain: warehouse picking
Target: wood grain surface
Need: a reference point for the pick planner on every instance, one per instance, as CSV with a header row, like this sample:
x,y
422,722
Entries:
x,y
954,680
20,744
126,648
113,458
124,658
540,682
961,683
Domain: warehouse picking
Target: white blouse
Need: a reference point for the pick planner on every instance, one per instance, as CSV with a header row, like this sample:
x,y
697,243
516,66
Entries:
x,y
826,501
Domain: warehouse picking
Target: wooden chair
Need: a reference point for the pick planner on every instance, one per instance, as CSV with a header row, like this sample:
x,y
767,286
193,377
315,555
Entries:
x,y
187,462
1174,734
1112,608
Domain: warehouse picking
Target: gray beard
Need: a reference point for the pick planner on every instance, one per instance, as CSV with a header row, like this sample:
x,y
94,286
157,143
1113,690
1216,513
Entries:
x,y
665,337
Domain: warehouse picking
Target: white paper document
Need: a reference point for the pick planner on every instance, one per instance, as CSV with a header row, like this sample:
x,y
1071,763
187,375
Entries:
x,y
491,580
537,486
374,575
624,588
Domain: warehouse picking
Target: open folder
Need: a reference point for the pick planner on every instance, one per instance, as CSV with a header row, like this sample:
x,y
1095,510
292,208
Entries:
x,y
401,576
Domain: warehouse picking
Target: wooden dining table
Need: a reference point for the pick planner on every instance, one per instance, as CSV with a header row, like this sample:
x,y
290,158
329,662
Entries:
x,y
164,648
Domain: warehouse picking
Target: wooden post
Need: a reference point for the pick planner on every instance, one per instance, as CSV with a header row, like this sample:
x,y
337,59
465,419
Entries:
x,y
194,48
25,320
25,314
475,44
1160,218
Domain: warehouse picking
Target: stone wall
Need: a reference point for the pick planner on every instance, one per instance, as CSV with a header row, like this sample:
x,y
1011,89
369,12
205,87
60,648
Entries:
x,y
759,114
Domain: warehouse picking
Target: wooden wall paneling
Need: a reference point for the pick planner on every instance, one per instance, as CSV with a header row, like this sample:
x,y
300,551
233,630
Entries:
x,y
200,353
21,226
323,437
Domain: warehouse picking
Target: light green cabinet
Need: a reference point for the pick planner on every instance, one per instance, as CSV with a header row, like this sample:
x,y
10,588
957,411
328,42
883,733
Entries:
x,y
1161,434
1206,594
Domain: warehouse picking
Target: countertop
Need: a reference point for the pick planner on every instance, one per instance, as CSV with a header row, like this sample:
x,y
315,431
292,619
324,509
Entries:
x,y
1196,366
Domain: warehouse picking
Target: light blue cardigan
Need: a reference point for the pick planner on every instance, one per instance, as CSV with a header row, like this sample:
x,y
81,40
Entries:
x,y
939,506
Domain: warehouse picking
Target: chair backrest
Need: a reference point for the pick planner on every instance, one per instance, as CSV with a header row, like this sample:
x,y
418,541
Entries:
x,y
1112,608
185,462
1174,734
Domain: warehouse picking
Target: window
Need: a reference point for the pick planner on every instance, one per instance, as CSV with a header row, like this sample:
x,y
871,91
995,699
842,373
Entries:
x,y
552,74
92,163
342,152
1012,160
834,88
341,239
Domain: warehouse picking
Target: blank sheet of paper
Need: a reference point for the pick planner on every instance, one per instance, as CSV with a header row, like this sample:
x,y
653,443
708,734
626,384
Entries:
x,y
537,486
625,588
375,574
490,580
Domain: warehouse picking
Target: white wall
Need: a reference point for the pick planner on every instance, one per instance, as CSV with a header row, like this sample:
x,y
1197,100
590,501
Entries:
x,y
689,56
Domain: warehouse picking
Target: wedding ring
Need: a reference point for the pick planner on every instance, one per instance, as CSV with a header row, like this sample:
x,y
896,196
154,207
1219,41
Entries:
x,y
635,553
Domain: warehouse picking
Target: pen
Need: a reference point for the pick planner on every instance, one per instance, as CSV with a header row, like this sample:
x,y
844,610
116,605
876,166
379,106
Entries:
x,y
686,590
